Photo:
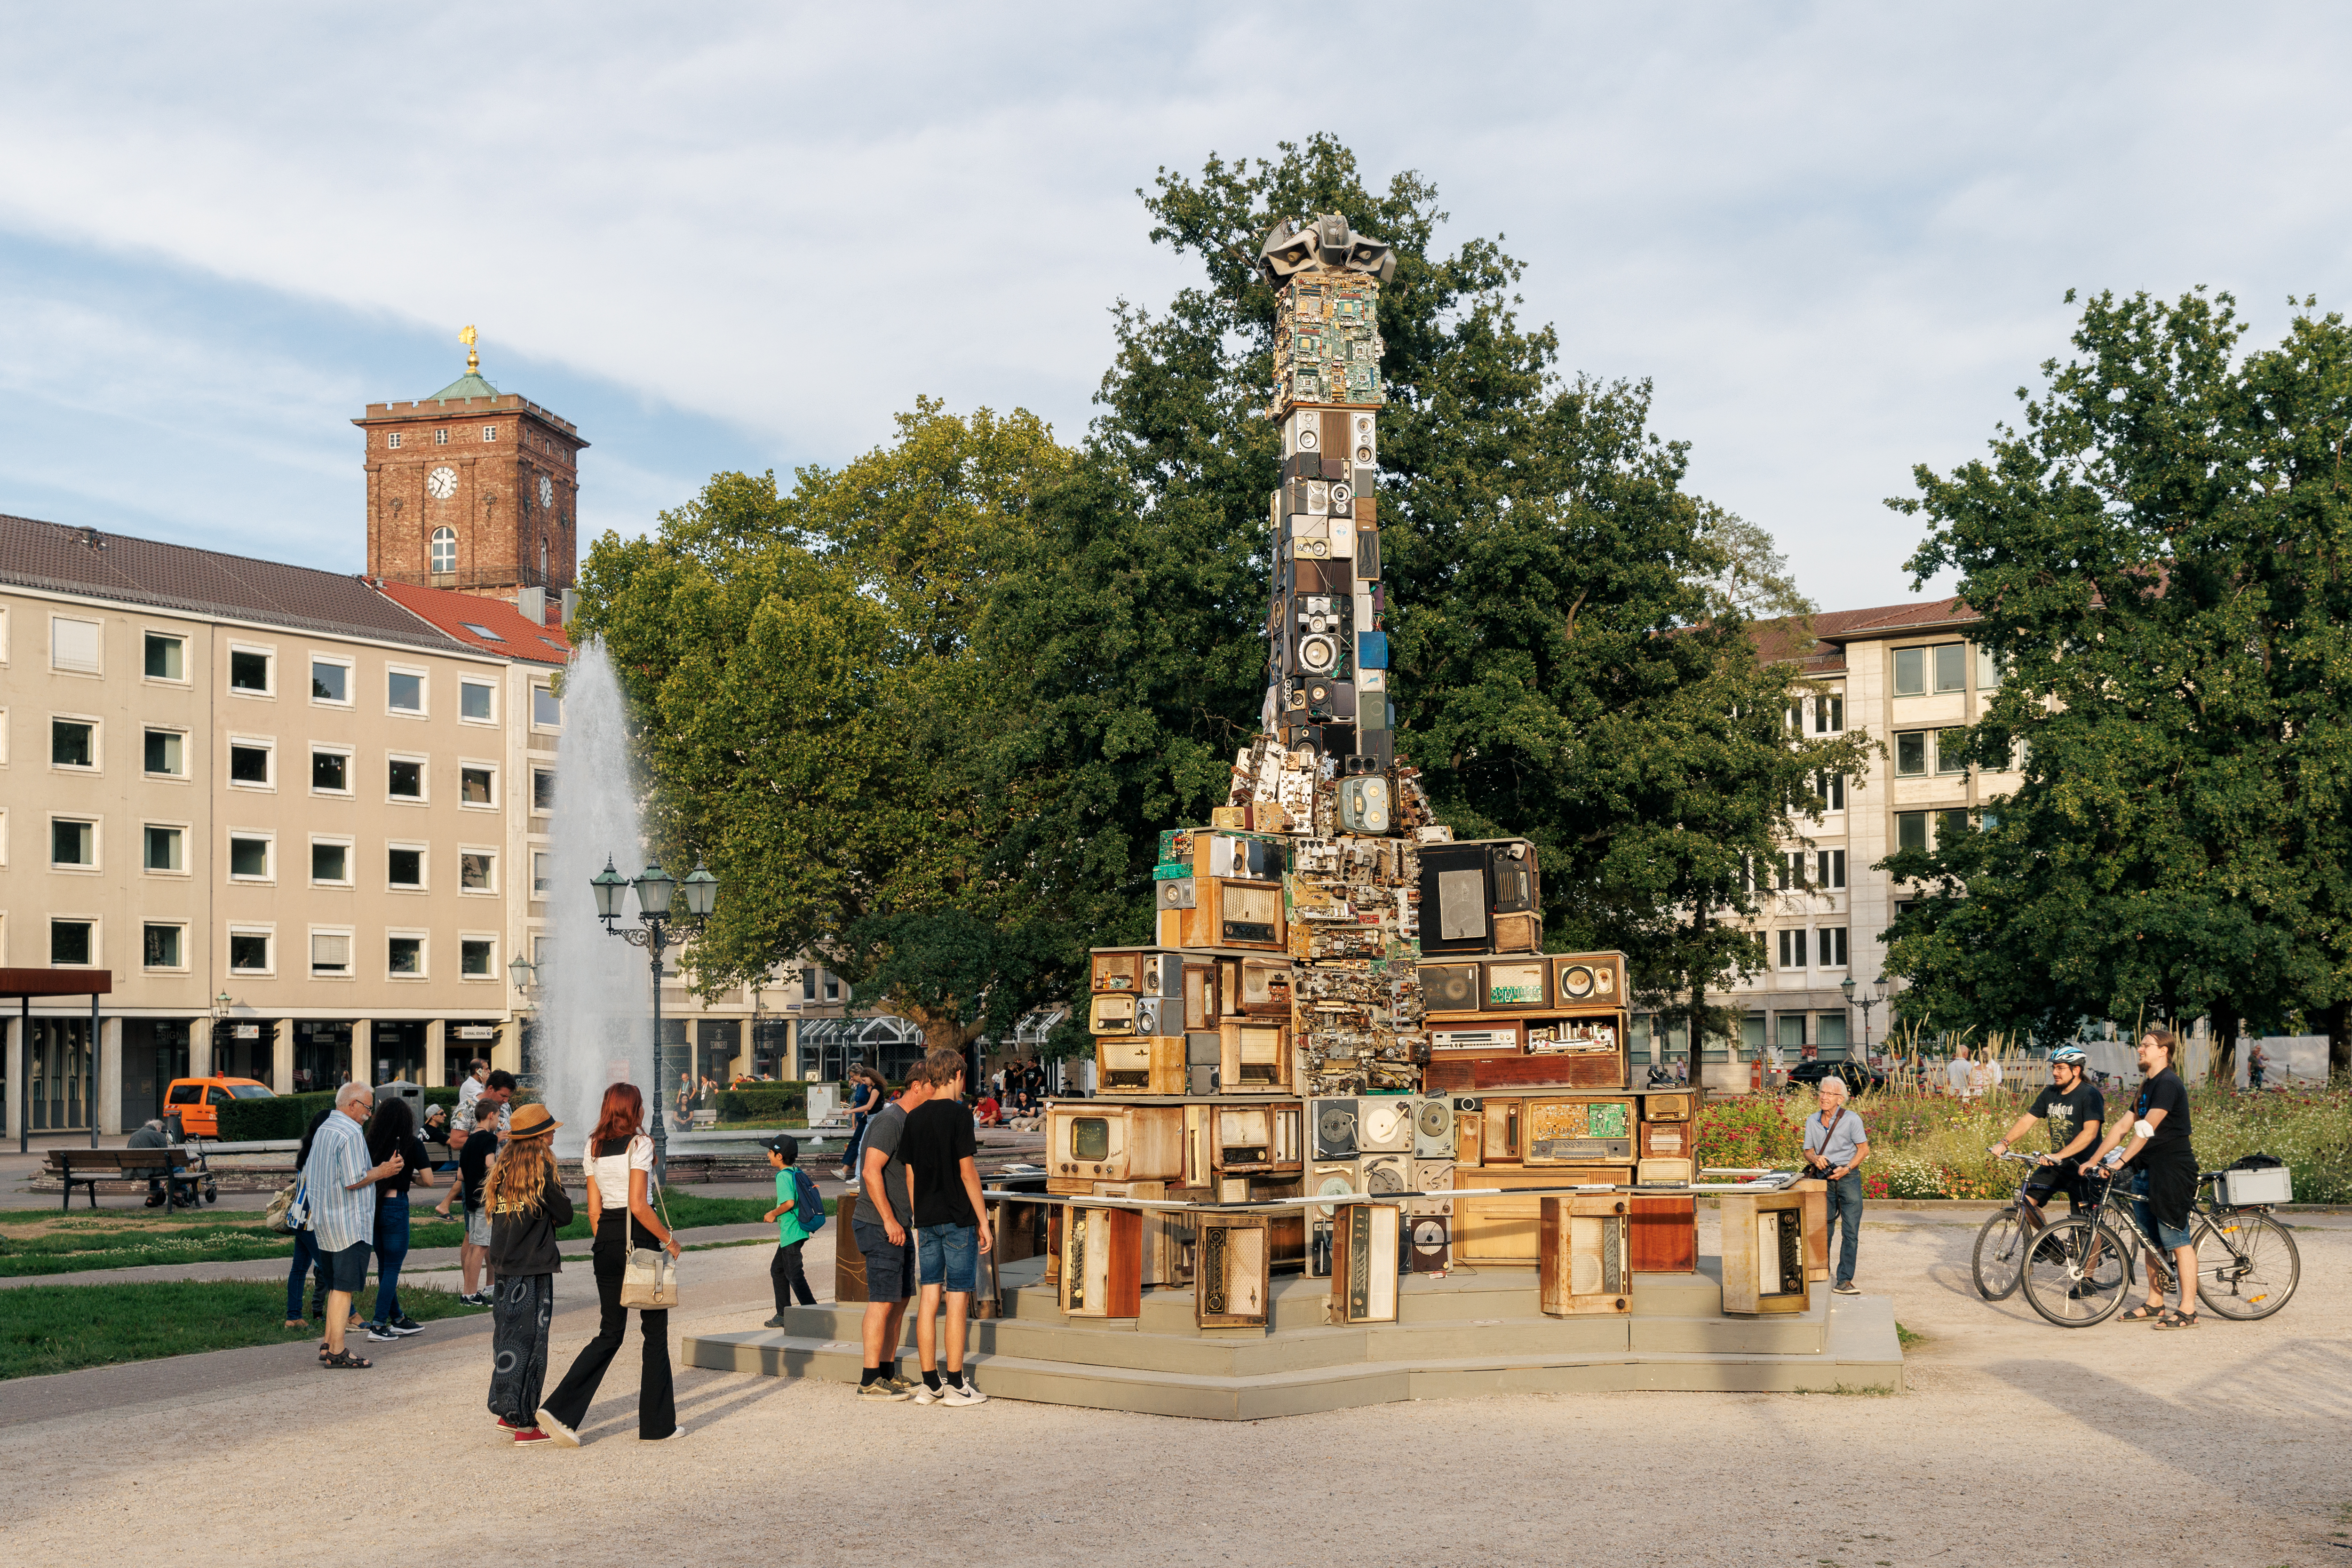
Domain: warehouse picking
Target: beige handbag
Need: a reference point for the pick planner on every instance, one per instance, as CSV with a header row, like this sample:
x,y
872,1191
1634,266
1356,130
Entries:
x,y
649,1278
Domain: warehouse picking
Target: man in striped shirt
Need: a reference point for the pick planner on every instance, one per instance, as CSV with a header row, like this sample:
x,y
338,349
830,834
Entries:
x,y
339,1185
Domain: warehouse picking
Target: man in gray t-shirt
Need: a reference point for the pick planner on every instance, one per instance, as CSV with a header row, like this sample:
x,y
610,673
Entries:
x,y
883,1229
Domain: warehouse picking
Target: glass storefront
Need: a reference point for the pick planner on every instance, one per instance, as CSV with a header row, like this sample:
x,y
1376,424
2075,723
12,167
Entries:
x,y
58,1073
154,1052
322,1055
772,1041
396,1051
830,1047
717,1044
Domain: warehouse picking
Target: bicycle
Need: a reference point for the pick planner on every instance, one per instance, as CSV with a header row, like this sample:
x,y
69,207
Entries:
x,y
1999,1259
2247,1263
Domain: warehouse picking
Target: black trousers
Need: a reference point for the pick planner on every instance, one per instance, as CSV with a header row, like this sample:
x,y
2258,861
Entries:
x,y
657,1401
791,1280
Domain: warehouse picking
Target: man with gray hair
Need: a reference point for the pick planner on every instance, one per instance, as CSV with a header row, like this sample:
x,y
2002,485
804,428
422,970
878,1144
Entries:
x,y
1835,1147
339,1185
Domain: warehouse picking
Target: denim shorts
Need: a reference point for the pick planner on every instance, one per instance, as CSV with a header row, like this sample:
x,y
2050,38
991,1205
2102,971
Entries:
x,y
2145,1212
949,1254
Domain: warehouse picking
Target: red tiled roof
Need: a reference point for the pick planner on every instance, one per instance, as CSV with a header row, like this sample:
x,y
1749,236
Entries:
x,y
492,625
1825,655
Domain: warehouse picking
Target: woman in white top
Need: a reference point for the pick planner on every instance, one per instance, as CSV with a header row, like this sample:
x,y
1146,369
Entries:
x,y
619,1160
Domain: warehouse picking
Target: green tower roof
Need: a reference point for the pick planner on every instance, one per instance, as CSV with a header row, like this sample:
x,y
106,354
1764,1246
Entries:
x,y
469,384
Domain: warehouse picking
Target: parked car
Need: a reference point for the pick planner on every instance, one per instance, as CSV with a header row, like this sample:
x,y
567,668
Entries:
x,y
1860,1079
196,1101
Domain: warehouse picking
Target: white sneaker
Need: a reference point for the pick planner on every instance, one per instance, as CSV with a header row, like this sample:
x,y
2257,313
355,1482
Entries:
x,y
967,1394
558,1430
926,1394
674,1434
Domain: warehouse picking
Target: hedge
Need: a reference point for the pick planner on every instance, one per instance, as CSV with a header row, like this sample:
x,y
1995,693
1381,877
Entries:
x,y
263,1121
761,1102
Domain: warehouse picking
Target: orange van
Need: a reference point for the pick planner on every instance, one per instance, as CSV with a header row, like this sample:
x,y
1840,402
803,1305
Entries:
x,y
196,1101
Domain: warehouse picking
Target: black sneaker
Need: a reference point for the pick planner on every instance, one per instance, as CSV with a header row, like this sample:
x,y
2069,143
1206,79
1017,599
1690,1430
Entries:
x,y
382,1333
407,1325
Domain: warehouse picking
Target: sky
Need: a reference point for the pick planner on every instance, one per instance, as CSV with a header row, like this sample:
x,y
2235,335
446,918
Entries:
x,y
1835,238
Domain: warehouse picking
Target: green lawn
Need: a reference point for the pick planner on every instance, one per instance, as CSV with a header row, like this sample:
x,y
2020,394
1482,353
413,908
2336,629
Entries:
x,y
60,1328
68,1243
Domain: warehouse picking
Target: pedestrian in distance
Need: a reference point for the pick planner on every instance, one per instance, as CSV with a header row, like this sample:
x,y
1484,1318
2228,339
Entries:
x,y
864,1099
341,1187
2163,1170
1835,1147
879,1229
2257,1063
791,1218
619,1164
951,1220
478,1074
1957,1073
475,1149
306,1245
393,1131
492,1106
527,1204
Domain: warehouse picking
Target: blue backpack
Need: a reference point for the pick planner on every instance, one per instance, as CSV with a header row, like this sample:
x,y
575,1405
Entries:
x,y
808,1206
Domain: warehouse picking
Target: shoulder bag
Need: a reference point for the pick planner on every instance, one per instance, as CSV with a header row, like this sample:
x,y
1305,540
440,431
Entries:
x,y
649,1277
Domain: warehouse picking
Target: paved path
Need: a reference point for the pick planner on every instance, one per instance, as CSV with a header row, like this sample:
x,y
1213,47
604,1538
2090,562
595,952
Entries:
x,y
2020,1445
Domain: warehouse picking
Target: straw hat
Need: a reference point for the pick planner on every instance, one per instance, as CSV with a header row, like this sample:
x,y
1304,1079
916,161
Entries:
x,y
530,1121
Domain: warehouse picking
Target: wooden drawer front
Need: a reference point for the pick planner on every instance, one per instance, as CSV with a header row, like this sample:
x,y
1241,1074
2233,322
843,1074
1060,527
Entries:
x,y
1662,1234
1666,1140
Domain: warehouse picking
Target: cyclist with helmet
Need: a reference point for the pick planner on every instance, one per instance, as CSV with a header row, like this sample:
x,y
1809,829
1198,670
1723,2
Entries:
x,y
2077,1114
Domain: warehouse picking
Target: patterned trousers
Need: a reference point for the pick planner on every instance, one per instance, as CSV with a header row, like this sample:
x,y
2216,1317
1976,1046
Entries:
x,y
520,1309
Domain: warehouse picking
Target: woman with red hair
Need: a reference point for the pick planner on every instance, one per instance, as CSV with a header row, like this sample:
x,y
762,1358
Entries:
x,y
619,1162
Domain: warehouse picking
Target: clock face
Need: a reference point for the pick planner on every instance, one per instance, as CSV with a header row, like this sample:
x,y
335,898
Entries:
x,y
546,490
442,483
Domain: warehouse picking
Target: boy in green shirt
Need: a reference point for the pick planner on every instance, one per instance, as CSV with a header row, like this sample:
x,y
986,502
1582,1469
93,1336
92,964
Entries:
x,y
785,1272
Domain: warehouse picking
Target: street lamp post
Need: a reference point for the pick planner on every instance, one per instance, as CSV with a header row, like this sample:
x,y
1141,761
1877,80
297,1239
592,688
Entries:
x,y
656,889
1867,1002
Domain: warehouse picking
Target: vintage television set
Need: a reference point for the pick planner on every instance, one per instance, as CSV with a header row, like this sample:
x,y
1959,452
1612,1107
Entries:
x,y
1764,1253
1253,1139
1465,886
1090,1140
1232,1261
1365,1239
1582,1260
1102,1262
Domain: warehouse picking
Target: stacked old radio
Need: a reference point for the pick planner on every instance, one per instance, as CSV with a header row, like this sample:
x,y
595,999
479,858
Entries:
x,y
1340,999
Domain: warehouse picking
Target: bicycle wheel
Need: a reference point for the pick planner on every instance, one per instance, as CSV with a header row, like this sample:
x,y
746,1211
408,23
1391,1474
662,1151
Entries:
x,y
2000,1242
2077,1273
2247,1265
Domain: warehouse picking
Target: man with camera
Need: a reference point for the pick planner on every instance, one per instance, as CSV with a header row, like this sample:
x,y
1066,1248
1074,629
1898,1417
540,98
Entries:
x,y
2077,1114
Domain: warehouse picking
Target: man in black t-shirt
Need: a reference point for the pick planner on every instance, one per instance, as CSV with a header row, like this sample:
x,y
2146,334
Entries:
x,y
951,1224
2077,1114
2163,1170
475,1149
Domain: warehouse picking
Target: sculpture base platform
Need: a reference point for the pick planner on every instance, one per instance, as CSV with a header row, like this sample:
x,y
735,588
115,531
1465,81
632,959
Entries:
x,y
1456,1336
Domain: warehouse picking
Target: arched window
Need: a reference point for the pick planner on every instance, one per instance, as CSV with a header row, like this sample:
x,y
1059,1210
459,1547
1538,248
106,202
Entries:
x,y
445,550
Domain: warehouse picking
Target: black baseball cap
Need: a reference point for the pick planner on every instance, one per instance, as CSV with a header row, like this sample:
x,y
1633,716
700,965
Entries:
x,y
787,1146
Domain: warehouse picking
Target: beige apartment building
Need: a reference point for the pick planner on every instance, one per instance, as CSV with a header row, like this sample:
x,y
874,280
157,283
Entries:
x,y
1904,675
290,814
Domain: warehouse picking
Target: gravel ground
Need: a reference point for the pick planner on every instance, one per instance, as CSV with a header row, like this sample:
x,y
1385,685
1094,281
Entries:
x,y
2018,1444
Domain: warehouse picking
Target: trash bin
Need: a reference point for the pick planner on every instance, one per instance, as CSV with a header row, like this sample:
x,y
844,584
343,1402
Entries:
x,y
401,1089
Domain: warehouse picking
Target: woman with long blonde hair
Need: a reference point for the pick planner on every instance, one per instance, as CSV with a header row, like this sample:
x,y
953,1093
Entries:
x,y
523,1194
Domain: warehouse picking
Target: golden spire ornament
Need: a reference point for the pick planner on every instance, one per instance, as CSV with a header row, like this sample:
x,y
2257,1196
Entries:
x,y
473,360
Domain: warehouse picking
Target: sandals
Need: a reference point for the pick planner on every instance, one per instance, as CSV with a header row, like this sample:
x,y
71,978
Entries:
x,y
2177,1321
2140,1314
345,1359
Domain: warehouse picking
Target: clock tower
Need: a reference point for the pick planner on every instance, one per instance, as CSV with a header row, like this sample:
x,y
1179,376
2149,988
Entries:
x,y
472,489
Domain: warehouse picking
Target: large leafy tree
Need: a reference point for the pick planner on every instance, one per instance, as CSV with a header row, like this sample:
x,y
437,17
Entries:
x,y
2162,557
1571,648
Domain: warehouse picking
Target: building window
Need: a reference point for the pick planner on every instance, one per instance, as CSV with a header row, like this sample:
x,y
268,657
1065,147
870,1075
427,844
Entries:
x,y
1911,753
405,956
248,858
404,867
1951,667
440,437
331,953
477,871
166,657
1832,866
330,681
476,786
1831,787
543,790
160,947
1910,830
166,849
1792,1029
1792,948
248,763
403,691
474,700
73,945
1832,947
331,863
1988,669
167,754
392,439
490,432
73,844
248,952
72,744
1951,751
1910,672
546,709
404,779
248,671
1829,715
445,550
76,646
330,773
1950,824
543,870
474,956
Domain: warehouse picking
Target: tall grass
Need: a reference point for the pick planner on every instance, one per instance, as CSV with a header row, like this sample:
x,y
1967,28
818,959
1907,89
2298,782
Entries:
x,y
1934,1146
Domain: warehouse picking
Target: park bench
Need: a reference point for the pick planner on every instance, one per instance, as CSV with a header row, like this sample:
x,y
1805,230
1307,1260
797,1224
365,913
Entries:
x,y
87,1167
705,1119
